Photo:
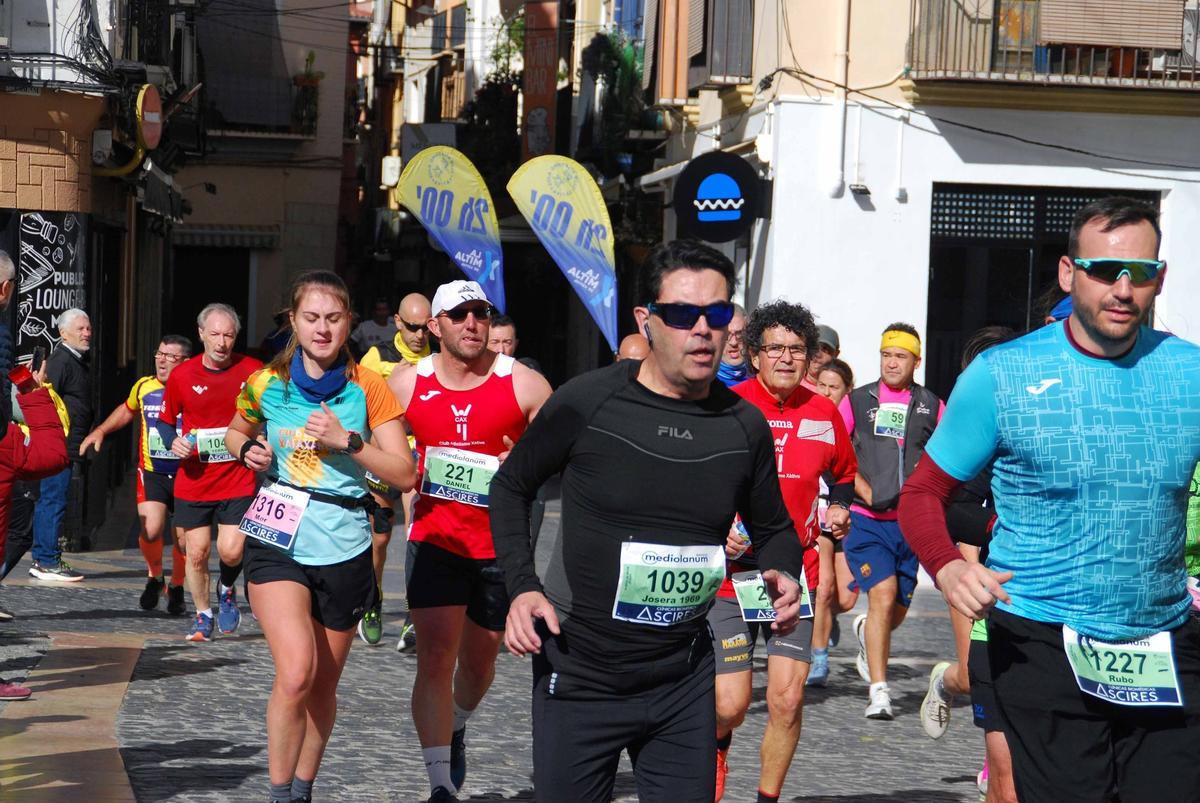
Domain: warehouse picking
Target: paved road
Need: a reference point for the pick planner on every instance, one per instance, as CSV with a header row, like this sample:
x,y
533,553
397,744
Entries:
x,y
118,692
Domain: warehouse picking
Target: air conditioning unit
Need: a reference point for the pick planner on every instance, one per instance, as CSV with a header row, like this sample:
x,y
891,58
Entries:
x,y
389,172
1189,55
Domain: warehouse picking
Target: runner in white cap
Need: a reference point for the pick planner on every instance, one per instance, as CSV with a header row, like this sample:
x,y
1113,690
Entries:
x,y
466,406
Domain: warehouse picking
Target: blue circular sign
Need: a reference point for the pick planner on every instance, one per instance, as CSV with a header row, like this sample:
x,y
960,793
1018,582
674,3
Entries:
x,y
717,197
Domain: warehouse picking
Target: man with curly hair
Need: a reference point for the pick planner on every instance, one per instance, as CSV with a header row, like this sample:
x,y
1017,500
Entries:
x,y
810,441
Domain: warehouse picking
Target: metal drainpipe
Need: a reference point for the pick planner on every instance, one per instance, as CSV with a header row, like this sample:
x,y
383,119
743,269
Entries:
x,y
842,56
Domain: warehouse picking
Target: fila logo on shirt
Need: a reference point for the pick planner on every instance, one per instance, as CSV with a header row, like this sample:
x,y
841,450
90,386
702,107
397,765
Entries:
x,y
199,389
665,431
460,420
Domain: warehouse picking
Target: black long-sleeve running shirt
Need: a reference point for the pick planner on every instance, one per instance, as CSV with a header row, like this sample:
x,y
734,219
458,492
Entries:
x,y
640,467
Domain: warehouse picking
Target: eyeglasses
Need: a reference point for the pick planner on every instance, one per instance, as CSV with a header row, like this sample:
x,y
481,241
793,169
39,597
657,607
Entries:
x,y
775,351
413,327
1109,269
684,316
459,314
169,357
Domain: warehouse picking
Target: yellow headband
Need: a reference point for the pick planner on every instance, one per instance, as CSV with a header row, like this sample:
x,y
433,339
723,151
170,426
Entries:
x,y
895,338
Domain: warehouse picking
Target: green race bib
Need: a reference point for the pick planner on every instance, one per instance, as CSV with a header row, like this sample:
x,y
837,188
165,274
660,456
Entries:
x,y
663,585
890,420
458,474
158,450
210,445
1134,673
755,602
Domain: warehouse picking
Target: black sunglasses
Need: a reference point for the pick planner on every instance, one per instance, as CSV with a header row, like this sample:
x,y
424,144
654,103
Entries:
x,y
684,316
412,327
459,314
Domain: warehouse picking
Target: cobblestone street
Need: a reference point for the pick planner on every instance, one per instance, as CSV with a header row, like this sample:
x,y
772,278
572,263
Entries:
x,y
124,709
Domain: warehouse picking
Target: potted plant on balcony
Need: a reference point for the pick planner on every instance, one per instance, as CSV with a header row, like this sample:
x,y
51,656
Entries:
x,y
304,108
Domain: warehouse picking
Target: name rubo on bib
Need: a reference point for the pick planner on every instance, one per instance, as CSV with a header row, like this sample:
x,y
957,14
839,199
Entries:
x,y
274,515
890,420
210,445
663,585
1135,673
458,474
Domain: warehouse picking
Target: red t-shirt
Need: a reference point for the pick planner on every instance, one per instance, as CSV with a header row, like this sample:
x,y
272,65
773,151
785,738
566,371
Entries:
x,y
207,400
810,440
459,434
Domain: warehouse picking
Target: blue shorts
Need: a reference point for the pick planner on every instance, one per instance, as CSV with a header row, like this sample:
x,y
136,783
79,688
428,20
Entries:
x,y
876,550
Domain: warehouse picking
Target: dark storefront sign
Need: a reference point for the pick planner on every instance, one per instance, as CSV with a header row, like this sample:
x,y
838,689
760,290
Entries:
x,y
50,250
717,197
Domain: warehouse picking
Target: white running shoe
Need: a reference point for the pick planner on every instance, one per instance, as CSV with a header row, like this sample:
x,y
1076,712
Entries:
x,y
935,708
860,661
880,706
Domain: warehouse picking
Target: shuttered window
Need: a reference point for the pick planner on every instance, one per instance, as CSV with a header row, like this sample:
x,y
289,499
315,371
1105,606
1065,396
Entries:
x,y
1112,23
649,42
695,39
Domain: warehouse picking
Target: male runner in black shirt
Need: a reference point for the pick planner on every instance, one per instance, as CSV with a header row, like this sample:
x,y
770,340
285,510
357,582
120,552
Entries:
x,y
656,460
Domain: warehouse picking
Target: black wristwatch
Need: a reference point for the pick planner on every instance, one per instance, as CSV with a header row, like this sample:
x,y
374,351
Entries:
x,y
354,443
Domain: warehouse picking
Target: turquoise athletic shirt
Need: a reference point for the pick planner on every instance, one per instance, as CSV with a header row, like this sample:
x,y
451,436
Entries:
x,y
1092,463
328,533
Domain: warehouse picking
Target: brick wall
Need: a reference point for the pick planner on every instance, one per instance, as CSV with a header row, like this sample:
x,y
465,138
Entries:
x,y
45,151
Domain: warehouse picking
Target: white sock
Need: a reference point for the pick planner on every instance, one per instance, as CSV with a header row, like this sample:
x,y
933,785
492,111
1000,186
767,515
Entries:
x,y
875,686
221,588
207,612
461,715
437,764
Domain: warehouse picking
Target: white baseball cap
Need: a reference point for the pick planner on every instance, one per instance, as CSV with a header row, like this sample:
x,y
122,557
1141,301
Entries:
x,y
452,294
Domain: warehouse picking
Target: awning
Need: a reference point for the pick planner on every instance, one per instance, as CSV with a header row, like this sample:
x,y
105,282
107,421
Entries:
x,y
219,235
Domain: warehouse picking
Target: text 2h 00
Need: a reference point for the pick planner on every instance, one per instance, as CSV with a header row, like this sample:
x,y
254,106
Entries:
x,y
437,206
555,218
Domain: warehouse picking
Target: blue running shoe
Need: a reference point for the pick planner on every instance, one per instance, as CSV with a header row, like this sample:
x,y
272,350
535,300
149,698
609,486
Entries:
x,y
228,615
458,757
818,673
202,627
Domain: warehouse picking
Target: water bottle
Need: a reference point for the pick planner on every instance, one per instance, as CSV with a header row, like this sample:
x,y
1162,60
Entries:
x,y
745,535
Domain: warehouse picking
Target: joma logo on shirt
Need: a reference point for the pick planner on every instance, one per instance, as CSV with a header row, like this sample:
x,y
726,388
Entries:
x,y
665,431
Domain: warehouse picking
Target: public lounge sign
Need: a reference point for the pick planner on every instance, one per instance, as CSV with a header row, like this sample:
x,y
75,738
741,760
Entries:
x,y
718,196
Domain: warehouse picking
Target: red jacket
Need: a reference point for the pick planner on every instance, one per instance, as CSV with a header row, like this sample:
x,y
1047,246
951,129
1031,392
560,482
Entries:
x,y
41,454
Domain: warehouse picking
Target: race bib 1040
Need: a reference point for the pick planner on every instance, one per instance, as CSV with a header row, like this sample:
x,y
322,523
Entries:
x,y
664,585
210,445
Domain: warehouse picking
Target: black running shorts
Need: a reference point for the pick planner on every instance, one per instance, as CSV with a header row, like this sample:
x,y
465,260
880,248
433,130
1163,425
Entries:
x,y
341,592
440,578
1068,746
580,728
192,515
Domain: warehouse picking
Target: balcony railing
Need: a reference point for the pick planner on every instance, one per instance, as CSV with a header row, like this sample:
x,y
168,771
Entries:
x,y
1022,41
